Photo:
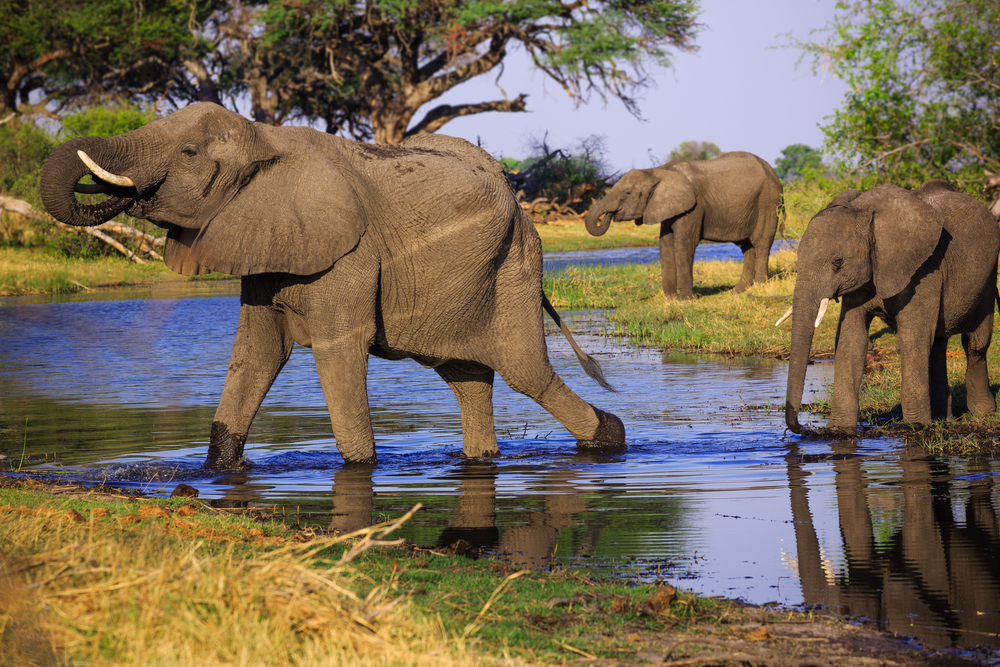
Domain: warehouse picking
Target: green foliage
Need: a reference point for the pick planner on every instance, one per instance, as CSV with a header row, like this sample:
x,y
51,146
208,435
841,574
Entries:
x,y
24,148
924,86
695,150
95,48
23,151
574,177
107,121
796,160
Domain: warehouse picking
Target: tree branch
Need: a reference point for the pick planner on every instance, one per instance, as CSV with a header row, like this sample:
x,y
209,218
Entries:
x,y
438,116
22,207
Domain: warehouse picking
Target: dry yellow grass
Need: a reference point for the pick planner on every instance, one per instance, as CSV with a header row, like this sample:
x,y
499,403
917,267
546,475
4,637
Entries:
x,y
102,590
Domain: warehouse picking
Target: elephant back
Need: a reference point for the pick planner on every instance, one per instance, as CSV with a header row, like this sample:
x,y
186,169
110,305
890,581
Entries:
x,y
970,259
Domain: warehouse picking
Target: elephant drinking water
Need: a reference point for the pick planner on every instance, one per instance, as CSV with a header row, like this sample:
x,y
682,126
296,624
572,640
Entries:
x,y
925,262
417,249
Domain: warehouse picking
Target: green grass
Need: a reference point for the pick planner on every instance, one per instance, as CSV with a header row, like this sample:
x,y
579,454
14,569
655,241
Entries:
x,y
98,579
26,271
565,235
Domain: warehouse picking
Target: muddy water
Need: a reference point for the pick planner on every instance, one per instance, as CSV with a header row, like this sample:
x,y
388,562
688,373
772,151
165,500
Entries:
x,y
711,493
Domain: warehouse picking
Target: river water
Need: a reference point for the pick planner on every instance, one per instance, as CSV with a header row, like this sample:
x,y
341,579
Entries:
x,y
711,494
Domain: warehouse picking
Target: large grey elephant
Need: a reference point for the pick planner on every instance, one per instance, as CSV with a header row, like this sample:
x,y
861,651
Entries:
x,y
417,249
734,197
925,262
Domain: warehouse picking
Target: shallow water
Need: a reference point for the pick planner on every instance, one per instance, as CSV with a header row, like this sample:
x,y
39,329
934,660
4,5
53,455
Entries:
x,y
711,493
555,261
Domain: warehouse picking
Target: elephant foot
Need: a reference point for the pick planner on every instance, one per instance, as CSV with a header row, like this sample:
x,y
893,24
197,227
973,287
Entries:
x,y
225,449
982,406
482,453
610,431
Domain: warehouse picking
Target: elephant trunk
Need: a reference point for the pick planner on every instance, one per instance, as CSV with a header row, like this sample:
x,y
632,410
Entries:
x,y
66,166
595,225
803,327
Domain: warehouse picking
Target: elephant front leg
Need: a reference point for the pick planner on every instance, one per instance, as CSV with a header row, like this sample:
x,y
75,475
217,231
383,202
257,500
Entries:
x,y
851,349
687,234
343,374
668,265
749,264
938,386
916,324
473,387
261,349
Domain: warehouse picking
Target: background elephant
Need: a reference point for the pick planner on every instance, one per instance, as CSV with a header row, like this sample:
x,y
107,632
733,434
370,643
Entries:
x,y
417,249
923,261
734,197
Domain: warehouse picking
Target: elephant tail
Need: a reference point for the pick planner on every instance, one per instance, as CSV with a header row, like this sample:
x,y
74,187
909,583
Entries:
x,y
590,365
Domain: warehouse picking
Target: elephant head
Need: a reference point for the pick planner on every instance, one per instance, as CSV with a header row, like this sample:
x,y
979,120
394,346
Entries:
x,y
234,196
871,243
648,196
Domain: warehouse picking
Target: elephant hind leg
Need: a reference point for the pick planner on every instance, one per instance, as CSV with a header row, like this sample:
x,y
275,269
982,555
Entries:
x,y
591,426
472,385
977,376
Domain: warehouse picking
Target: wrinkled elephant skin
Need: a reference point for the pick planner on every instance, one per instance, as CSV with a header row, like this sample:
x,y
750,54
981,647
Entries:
x,y
925,262
413,250
734,197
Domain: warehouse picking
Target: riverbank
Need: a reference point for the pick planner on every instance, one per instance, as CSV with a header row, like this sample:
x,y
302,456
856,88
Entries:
x,y
27,271
135,581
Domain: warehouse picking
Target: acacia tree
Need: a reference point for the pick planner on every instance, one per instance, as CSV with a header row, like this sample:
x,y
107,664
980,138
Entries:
x,y
695,150
924,84
54,53
374,65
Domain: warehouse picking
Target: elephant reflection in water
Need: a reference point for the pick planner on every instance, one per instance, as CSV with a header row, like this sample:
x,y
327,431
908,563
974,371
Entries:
x,y
934,573
529,545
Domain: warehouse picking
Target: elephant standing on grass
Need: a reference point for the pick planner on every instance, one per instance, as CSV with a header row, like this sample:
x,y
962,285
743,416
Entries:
x,y
734,197
925,262
417,249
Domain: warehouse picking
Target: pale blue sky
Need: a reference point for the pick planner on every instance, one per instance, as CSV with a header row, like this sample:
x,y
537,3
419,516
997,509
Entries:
x,y
735,91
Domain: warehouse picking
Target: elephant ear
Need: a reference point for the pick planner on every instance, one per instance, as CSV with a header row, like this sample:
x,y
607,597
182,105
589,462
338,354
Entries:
x,y
906,231
291,213
672,196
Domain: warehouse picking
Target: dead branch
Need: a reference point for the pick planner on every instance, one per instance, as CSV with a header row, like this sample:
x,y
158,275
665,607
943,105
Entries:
x,y
146,241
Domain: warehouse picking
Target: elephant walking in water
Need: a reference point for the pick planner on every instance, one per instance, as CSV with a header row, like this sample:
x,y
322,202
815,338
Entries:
x,y
734,197
925,262
417,249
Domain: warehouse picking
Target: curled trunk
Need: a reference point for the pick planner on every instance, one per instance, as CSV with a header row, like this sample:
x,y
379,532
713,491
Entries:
x,y
61,175
595,225
803,327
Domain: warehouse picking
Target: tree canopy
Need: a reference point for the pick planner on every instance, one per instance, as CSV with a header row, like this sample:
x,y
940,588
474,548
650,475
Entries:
x,y
363,69
796,160
924,84
695,150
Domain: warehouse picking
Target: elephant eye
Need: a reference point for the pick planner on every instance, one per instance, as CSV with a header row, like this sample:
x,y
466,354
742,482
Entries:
x,y
189,151
838,262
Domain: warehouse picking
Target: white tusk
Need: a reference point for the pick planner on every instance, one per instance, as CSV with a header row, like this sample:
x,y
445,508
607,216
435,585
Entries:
x,y
107,176
823,305
788,313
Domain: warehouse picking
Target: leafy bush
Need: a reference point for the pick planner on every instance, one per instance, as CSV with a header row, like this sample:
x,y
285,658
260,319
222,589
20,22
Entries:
x,y
26,143
576,177
694,150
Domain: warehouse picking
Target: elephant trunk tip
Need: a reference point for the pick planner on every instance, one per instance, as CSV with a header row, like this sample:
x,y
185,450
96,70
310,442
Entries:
x,y
792,419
